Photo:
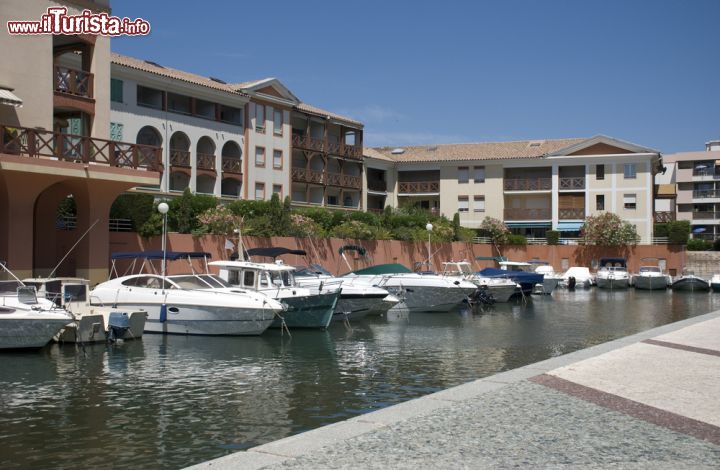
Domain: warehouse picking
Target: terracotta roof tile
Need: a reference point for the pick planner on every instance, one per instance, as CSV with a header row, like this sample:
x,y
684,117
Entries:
x,y
306,108
145,66
477,151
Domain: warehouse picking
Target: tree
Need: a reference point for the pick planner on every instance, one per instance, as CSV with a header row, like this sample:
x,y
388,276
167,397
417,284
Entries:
x,y
495,229
678,231
608,229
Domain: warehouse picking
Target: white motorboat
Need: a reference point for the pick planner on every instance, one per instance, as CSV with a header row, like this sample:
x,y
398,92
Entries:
x,y
501,289
690,282
613,277
195,305
577,276
92,323
27,321
551,279
651,278
356,301
305,308
421,292
715,283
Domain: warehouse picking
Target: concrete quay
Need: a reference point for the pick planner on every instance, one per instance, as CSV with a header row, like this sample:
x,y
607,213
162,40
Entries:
x,y
650,400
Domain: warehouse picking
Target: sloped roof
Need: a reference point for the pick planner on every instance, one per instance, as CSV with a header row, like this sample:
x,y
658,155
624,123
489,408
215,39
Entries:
x,y
478,150
306,108
372,153
145,66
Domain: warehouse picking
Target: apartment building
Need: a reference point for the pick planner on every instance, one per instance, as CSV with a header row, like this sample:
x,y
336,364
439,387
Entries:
x,y
533,186
55,146
237,140
689,189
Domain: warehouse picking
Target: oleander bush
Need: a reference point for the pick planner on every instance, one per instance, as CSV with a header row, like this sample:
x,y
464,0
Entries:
x,y
697,244
553,237
608,229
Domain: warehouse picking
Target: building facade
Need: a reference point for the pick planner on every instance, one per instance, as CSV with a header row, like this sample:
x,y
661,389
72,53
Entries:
x,y
533,186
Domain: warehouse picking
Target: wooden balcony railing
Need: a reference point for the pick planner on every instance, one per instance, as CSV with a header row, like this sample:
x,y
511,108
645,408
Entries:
x,y
345,181
232,165
376,185
180,158
527,214
206,161
36,143
573,213
664,217
577,182
303,175
72,81
527,184
352,151
706,193
308,143
419,187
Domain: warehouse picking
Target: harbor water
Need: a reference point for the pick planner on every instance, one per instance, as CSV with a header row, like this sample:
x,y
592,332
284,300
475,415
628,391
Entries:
x,y
172,401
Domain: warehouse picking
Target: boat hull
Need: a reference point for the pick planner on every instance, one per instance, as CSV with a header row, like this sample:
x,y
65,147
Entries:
x,y
691,285
715,286
650,282
429,298
312,311
501,294
612,283
357,306
24,332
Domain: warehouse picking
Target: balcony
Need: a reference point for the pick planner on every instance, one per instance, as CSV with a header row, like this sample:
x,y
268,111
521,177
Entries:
x,y
36,143
73,82
713,172
664,217
527,214
180,158
706,193
306,142
527,184
572,183
418,187
232,165
377,185
345,181
574,213
206,162
351,151
303,175
707,215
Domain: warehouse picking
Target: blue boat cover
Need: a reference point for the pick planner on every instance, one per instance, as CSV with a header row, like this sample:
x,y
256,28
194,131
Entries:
x,y
158,254
521,277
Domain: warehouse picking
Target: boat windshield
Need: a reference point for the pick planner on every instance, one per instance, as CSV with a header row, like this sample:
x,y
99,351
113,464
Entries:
x,y
281,278
9,287
649,269
456,269
215,281
314,270
192,282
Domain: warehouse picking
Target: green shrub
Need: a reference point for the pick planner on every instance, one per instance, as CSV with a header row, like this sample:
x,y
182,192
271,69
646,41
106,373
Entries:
x,y
353,229
697,244
660,230
678,231
368,218
513,239
553,237
152,226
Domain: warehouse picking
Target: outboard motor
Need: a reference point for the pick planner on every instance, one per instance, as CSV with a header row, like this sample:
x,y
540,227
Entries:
x,y
571,283
118,325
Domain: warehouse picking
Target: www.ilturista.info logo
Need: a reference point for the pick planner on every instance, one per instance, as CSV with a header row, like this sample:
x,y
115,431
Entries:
x,y
57,21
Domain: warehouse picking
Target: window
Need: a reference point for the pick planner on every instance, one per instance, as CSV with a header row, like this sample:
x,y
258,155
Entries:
x,y
231,115
332,200
277,159
116,90
259,191
149,97
630,172
259,156
630,201
599,172
600,202
463,174
463,204
479,174
277,189
277,121
259,118
116,131
249,278
179,103
479,204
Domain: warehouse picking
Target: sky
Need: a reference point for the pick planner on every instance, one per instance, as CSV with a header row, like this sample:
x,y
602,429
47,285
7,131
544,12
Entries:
x,y
422,72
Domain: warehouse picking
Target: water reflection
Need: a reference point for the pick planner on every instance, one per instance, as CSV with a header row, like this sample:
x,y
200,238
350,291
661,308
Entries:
x,y
170,401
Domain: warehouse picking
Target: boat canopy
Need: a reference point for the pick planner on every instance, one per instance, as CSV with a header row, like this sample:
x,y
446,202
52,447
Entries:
x,y
360,250
392,268
520,277
612,262
274,252
497,259
538,262
158,254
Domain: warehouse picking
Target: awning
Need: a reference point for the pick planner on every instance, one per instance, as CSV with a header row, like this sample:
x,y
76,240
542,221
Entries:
x,y
7,97
666,190
717,162
569,226
528,224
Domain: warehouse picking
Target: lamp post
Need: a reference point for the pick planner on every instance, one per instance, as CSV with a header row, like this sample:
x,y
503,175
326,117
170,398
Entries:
x,y
163,208
429,228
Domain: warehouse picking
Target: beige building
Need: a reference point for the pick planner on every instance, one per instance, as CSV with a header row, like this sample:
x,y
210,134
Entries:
x,y
533,186
689,189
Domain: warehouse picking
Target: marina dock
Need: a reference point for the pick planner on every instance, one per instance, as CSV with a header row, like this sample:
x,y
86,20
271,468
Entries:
x,y
649,400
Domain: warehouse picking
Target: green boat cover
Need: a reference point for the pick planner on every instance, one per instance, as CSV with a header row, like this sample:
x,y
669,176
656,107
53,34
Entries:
x,y
392,268
491,258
